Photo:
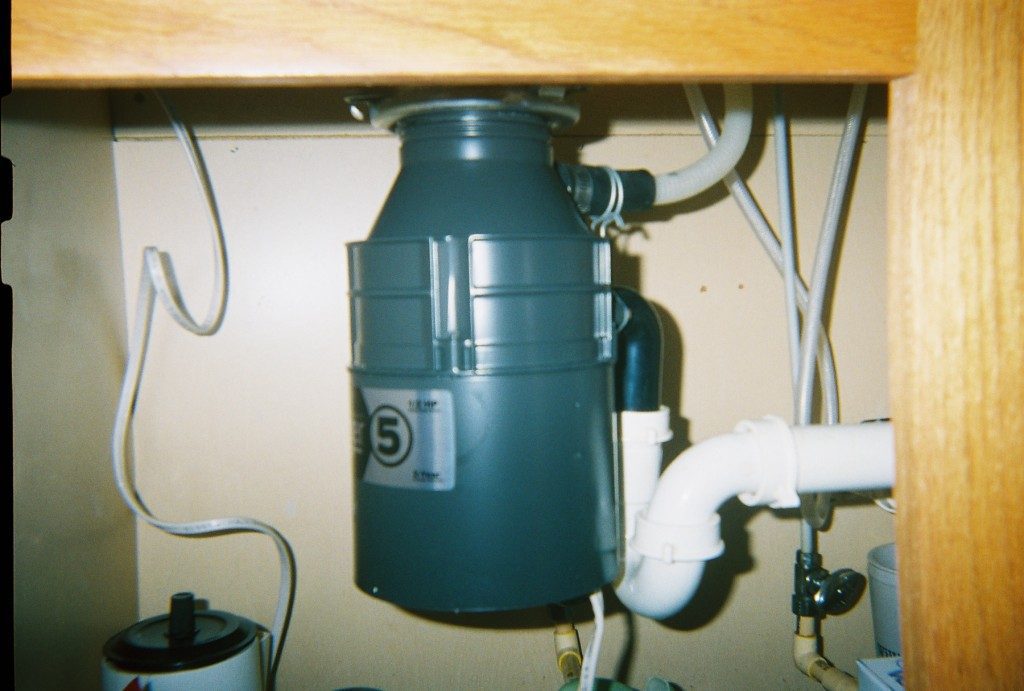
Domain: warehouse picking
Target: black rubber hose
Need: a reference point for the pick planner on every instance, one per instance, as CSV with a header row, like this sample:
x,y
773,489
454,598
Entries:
x,y
638,361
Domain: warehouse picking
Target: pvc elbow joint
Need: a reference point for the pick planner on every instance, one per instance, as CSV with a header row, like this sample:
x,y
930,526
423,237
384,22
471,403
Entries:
x,y
656,589
809,661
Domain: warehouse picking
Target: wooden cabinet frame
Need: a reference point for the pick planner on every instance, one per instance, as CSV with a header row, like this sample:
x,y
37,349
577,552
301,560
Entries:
x,y
956,259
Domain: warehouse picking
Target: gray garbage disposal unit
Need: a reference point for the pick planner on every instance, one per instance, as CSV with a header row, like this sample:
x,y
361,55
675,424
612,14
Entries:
x,y
482,355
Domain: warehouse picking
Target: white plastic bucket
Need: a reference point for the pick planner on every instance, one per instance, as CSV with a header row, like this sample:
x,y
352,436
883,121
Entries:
x,y
885,610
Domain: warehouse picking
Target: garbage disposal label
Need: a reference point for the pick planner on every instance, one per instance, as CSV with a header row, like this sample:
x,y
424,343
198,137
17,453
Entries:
x,y
405,438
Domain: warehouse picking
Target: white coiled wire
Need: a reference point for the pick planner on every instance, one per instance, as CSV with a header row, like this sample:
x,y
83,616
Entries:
x,y
157,279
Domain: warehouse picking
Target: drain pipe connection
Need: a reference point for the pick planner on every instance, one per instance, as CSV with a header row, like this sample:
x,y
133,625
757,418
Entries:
x,y
605,193
718,161
763,462
809,661
643,421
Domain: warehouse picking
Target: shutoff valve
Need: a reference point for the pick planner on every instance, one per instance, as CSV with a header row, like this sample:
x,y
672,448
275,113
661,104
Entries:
x,y
817,592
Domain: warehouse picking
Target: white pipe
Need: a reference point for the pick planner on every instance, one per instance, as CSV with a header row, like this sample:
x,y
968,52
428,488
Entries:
x,y
641,434
838,458
713,166
679,531
656,589
764,462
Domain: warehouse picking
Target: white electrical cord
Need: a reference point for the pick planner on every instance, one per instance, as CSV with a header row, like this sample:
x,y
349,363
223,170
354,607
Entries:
x,y
817,348
823,258
821,277
787,231
770,242
157,279
787,223
588,674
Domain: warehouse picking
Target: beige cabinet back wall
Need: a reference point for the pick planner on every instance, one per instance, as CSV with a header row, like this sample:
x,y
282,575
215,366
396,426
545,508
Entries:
x,y
255,420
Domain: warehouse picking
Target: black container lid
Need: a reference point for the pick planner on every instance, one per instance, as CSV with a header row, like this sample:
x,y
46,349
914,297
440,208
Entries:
x,y
180,640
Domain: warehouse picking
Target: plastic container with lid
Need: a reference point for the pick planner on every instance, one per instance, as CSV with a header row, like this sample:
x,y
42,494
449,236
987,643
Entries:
x,y
186,649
